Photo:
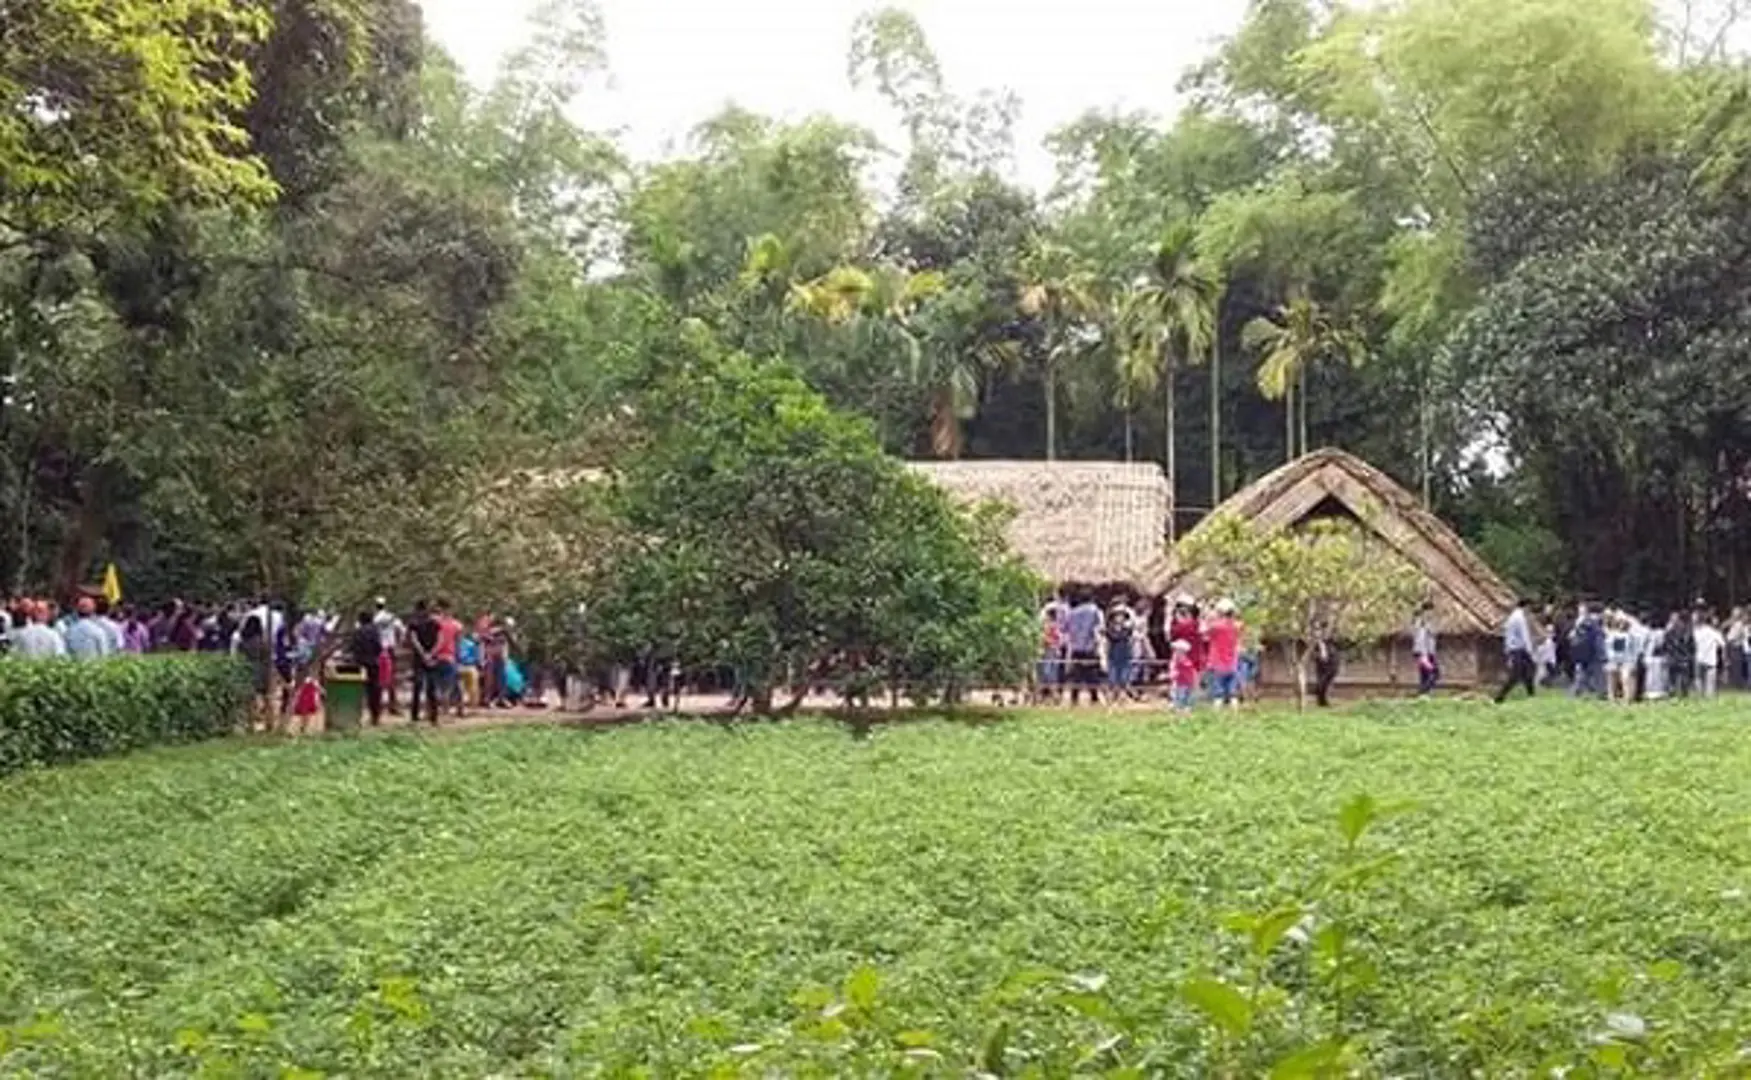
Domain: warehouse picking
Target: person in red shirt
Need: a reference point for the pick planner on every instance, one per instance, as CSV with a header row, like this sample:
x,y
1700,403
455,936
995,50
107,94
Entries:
x,y
1185,677
1223,641
1184,626
443,653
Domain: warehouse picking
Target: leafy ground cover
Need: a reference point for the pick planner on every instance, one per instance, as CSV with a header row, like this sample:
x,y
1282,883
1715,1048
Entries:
x,y
1523,888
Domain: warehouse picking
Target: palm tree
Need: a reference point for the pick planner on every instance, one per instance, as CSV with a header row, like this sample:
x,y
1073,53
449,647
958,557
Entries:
x,y
1061,295
884,300
1170,316
1302,334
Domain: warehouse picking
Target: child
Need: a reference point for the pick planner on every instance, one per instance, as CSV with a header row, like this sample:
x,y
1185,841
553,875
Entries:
x,y
1185,676
467,672
307,702
1546,656
1248,671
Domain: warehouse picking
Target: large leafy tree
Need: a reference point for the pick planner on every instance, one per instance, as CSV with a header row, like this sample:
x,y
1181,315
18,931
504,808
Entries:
x,y
1604,357
110,112
765,533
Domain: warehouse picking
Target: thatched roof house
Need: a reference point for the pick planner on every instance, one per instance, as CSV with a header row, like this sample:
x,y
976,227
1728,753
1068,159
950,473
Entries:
x,y
1470,600
1096,522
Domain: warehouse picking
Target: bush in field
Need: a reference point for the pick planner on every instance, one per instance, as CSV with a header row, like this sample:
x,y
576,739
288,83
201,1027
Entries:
x,y
63,710
768,534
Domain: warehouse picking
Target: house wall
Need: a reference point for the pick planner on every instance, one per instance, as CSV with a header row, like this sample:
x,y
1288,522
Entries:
x,y
1388,667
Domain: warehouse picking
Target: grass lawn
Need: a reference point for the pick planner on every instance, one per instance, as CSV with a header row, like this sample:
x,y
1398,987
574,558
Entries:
x,y
1573,886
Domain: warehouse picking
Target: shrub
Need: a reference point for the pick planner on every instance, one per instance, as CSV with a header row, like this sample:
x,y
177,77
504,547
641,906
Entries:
x,y
63,710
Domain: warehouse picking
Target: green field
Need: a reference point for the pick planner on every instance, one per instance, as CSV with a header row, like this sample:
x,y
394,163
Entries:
x,y
1572,886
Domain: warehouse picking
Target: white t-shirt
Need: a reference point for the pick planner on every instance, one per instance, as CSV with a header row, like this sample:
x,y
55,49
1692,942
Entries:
x,y
1709,644
388,629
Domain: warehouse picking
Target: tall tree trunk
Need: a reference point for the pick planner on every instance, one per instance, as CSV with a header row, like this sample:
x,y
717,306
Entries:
x,y
1130,449
1289,420
1423,432
945,426
1216,419
1172,448
1051,412
1301,403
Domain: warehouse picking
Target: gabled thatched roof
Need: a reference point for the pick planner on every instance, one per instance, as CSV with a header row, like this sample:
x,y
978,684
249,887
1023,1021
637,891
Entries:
x,y
1469,597
1097,522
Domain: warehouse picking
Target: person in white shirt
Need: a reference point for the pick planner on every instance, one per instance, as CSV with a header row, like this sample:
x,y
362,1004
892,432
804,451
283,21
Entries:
x,y
117,640
37,640
1654,661
1619,658
1710,643
390,630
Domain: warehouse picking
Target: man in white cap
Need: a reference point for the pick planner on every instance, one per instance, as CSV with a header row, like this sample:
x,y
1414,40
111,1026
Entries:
x,y
1223,642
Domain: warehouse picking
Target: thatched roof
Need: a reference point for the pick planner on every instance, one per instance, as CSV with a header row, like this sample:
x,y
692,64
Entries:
x,y
1097,522
1469,597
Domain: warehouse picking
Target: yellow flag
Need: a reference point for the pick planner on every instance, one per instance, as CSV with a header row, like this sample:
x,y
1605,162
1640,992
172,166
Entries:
x,y
112,584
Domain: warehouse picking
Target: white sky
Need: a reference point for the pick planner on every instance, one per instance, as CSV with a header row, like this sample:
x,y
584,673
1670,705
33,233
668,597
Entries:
x,y
675,62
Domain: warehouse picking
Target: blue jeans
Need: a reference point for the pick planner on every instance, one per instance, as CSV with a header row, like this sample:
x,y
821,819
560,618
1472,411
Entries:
x,y
1182,697
1052,668
431,683
1589,680
1224,685
1119,663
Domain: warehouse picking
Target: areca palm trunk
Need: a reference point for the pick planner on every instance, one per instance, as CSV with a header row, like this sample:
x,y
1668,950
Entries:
x,y
1301,404
1289,420
1051,412
1172,457
1216,420
1130,454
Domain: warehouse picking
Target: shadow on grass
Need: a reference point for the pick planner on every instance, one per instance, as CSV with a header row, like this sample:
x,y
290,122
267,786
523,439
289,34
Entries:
x,y
859,722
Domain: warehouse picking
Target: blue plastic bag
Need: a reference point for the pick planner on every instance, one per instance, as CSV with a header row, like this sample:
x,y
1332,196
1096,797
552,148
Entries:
x,y
514,684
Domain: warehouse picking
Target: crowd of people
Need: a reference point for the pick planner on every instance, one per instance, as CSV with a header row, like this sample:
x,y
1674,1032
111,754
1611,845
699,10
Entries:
x,y
442,662
1123,645
1127,645
1604,651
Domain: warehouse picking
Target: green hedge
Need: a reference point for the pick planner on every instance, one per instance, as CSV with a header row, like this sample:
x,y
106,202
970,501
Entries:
x,y
53,711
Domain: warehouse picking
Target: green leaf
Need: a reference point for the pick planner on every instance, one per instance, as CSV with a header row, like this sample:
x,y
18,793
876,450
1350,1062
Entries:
x,y
992,1055
254,1023
1665,970
1310,1062
1220,1003
1356,816
861,988
1268,931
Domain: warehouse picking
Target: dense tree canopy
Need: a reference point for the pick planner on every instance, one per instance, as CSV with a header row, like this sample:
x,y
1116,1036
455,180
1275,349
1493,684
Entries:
x,y
274,276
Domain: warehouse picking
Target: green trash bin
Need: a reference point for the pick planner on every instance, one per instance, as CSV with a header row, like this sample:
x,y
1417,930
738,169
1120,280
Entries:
x,y
344,704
